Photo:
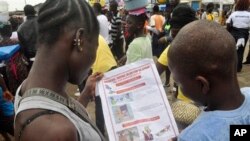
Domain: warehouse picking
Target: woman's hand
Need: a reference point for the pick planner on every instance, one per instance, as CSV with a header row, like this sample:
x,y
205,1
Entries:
x,y
88,94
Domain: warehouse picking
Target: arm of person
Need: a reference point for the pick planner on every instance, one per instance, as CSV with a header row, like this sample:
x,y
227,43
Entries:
x,y
49,128
229,23
6,93
162,62
88,93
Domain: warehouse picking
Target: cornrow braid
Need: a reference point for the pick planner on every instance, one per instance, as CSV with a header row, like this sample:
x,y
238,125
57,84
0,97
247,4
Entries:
x,y
56,15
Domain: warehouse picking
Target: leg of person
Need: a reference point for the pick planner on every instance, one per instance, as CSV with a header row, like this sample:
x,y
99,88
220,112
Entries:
x,y
248,57
240,53
167,76
99,114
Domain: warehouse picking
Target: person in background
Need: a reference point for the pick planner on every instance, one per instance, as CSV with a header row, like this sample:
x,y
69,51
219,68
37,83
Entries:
x,y
156,22
103,22
6,111
167,38
15,69
238,24
140,47
208,15
182,15
116,31
27,34
67,42
15,24
207,75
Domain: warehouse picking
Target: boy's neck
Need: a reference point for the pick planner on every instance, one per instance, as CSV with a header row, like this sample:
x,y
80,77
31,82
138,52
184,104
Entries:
x,y
227,97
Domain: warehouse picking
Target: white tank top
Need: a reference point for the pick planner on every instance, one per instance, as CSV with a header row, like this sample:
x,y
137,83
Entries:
x,y
85,131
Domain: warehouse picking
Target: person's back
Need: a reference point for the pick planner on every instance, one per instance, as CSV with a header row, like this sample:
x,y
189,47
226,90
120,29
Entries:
x,y
103,22
211,80
104,27
67,41
220,122
27,33
139,48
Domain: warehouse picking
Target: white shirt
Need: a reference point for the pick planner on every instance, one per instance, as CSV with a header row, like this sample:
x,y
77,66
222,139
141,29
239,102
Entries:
x,y
240,19
104,27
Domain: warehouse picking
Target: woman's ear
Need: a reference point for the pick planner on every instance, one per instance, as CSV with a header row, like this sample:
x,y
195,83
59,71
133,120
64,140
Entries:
x,y
204,83
78,41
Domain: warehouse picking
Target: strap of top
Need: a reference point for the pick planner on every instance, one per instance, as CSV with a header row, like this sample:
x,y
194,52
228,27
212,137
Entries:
x,y
69,102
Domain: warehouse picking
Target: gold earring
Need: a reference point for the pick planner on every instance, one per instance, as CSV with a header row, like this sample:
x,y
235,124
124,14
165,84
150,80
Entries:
x,y
77,41
79,45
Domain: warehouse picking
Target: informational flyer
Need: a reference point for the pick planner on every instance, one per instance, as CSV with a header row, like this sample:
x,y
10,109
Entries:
x,y
135,105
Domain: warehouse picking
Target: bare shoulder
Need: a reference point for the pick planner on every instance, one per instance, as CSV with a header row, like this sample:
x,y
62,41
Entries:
x,y
54,127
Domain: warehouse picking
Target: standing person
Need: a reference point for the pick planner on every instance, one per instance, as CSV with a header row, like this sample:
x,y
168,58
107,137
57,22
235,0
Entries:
x,y
238,25
27,33
15,69
103,22
140,47
168,37
207,75
116,31
68,38
182,15
208,15
6,111
157,21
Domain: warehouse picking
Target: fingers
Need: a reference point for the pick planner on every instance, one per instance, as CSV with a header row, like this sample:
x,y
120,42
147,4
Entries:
x,y
98,76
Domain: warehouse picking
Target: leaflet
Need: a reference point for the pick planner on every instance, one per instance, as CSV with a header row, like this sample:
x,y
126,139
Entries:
x,y
135,105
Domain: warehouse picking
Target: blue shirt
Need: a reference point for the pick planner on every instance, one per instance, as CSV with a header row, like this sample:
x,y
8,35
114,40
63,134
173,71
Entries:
x,y
215,125
6,107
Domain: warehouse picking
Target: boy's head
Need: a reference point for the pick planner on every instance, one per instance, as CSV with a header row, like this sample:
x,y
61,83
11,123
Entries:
x,y
5,29
199,57
135,24
182,15
29,10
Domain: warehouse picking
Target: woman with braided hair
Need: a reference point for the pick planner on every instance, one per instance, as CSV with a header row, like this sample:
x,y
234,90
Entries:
x,y
67,43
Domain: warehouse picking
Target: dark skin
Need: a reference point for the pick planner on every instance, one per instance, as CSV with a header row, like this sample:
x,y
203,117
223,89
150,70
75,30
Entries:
x,y
214,90
161,68
135,28
70,64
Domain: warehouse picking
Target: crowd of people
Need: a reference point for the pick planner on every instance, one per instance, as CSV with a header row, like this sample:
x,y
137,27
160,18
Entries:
x,y
69,41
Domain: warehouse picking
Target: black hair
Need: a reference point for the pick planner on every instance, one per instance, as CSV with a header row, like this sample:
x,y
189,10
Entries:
x,y
203,52
210,7
14,23
242,5
56,16
29,10
182,15
97,8
5,29
156,8
113,3
139,21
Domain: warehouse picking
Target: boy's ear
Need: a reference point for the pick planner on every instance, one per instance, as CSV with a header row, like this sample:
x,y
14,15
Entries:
x,y
204,83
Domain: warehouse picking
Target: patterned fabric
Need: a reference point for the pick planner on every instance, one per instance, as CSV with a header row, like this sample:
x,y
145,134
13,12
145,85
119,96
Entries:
x,y
16,67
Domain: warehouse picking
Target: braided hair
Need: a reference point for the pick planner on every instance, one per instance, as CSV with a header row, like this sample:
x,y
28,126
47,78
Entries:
x,y
56,17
